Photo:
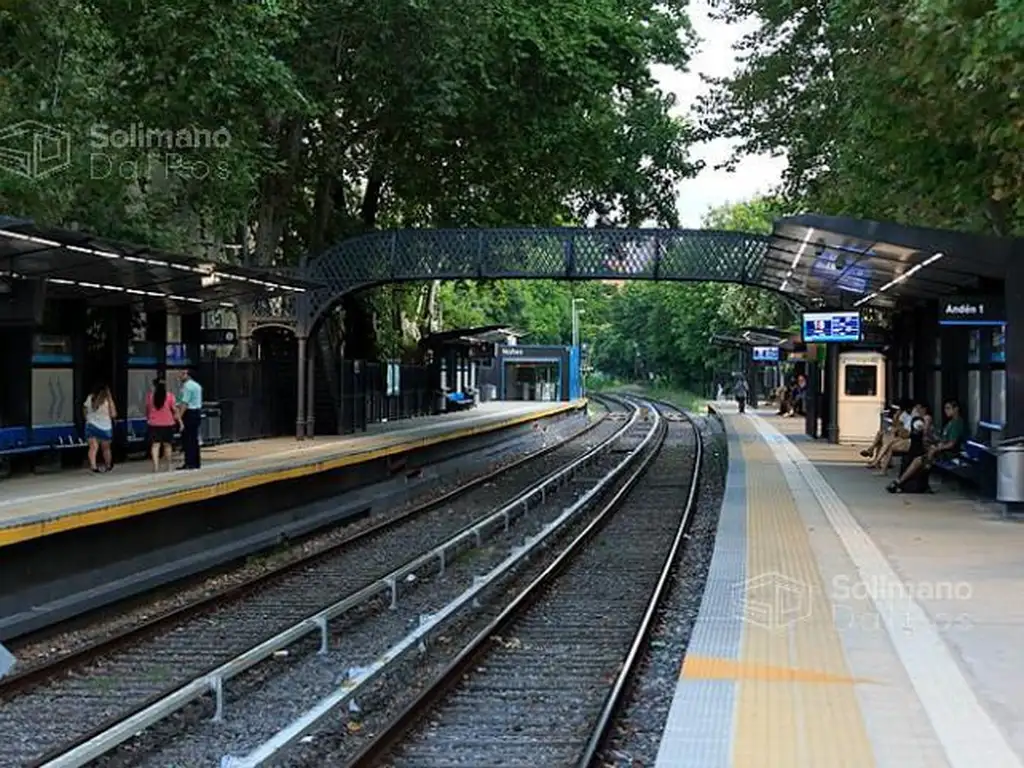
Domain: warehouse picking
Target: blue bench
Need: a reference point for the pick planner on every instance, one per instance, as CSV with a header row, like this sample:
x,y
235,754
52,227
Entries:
x,y
38,441
135,432
459,401
56,439
15,440
976,464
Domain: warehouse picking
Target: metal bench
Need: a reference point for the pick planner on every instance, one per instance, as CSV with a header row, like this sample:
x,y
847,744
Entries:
x,y
976,464
459,401
42,441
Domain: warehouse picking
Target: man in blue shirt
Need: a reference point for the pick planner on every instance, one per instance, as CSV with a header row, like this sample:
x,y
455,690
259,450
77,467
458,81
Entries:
x,y
190,411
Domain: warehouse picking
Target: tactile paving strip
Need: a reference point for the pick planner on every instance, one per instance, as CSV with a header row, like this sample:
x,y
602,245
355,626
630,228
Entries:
x,y
699,730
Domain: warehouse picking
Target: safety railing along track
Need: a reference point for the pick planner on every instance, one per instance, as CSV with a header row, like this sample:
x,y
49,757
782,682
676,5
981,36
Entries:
x,y
307,579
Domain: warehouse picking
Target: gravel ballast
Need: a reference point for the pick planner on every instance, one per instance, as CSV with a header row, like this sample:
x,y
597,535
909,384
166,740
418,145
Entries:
x,y
637,732
270,696
104,688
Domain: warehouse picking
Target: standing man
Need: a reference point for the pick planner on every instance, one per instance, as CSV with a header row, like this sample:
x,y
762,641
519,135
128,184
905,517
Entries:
x,y
190,412
741,391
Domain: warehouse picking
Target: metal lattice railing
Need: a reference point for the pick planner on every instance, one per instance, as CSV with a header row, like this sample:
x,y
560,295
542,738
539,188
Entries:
x,y
566,253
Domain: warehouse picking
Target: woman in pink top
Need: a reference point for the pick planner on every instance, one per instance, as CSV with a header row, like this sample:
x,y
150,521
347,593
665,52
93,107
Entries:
x,y
161,419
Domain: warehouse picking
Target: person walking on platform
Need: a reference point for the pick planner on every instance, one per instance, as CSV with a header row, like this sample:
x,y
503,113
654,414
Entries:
x,y
100,414
190,414
161,418
741,391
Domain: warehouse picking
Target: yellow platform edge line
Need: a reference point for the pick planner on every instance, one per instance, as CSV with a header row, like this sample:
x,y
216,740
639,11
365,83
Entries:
x,y
124,510
712,668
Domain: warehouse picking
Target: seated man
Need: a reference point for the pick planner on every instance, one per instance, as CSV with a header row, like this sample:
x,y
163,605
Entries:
x,y
898,430
785,403
799,397
948,446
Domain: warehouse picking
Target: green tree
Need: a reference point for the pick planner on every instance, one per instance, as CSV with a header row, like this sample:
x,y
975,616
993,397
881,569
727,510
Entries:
x,y
908,111
346,117
745,305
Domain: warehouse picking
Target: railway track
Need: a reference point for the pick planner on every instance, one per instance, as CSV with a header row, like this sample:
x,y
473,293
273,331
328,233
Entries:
x,y
56,662
541,683
72,712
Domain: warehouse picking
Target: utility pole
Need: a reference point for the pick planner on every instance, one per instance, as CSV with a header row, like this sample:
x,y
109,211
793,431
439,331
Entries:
x,y
576,312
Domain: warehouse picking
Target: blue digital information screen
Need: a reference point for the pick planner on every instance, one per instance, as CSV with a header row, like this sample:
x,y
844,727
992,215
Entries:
x,y
824,327
767,354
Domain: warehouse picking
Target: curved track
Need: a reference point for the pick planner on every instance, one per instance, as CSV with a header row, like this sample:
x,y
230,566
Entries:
x,y
52,713
540,685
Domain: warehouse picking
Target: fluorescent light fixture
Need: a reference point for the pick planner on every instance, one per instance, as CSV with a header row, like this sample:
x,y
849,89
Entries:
x,y
900,278
207,270
796,259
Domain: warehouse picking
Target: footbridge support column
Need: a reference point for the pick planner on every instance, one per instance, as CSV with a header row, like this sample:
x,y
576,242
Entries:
x,y
300,394
1014,341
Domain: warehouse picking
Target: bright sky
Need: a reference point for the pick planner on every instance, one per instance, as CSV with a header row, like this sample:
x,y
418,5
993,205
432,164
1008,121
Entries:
x,y
711,188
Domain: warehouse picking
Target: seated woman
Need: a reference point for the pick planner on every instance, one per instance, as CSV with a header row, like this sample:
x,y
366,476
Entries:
x,y
916,473
898,440
899,429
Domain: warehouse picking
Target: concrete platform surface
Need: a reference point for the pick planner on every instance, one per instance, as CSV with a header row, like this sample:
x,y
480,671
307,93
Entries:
x,y
845,626
36,505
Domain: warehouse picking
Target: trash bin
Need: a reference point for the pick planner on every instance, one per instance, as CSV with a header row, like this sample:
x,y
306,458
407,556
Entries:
x,y
210,426
1010,471
489,392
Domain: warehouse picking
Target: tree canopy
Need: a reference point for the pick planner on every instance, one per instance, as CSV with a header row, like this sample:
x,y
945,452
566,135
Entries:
x,y
343,116
338,117
907,111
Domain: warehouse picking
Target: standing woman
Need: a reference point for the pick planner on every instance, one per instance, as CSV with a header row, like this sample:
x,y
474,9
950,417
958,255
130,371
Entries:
x,y
160,418
100,413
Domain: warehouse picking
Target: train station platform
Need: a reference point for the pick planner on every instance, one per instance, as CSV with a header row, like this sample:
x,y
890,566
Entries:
x,y
34,506
845,626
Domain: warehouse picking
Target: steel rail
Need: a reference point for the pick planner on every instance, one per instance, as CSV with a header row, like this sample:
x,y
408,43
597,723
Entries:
x,y
458,667
278,745
110,735
641,641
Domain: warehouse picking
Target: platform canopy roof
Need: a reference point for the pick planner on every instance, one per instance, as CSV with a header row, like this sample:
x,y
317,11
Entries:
x,y
485,334
834,261
730,340
751,337
79,265
764,337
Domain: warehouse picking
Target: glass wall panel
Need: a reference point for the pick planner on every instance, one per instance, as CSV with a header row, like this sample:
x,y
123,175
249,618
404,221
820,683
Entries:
x,y
999,345
998,415
974,346
973,403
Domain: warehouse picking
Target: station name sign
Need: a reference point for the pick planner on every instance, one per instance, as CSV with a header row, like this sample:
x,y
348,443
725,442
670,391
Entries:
x,y
512,351
972,310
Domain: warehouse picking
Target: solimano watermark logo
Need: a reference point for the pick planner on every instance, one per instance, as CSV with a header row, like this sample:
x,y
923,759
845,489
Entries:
x,y
34,150
775,601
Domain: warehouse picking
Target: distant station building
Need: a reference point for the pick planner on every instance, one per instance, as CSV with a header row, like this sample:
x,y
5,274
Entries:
x,y
491,363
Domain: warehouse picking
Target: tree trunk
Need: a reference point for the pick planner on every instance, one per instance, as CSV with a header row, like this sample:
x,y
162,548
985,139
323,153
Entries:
x,y
275,193
360,333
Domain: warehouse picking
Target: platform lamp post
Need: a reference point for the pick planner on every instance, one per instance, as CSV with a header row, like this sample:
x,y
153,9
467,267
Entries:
x,y
576,313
